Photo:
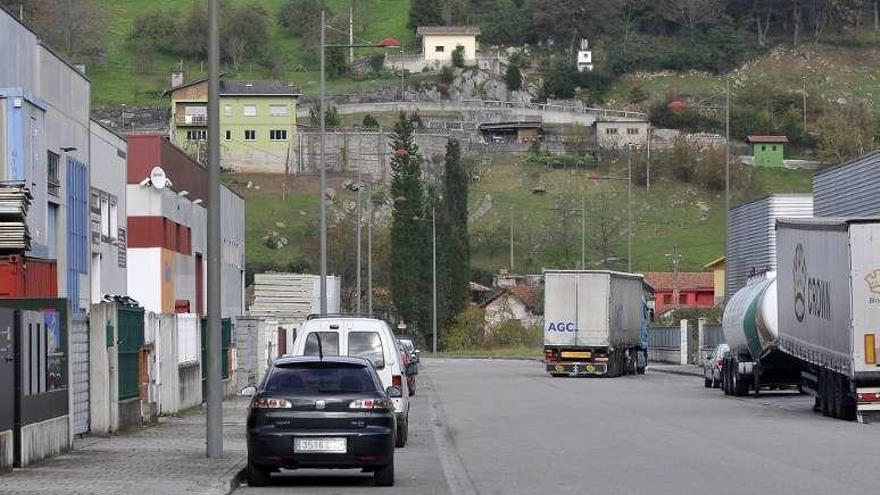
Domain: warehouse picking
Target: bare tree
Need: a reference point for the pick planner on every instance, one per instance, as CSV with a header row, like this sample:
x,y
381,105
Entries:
x,y
691,14
235,47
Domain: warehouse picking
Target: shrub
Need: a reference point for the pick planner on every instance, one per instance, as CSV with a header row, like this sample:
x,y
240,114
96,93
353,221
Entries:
x,y
466,331
513,78
369,122
446,76
458,57
513,333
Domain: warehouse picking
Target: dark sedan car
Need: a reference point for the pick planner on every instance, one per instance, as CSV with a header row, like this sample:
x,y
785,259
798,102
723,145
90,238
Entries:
x,y
313,412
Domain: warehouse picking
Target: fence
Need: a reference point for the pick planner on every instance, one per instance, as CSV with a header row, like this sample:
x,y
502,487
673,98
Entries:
x,y
684,344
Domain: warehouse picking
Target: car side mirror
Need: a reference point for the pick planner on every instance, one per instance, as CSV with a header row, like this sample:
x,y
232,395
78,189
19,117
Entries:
x,y
248,391
394,392
412,369
379,363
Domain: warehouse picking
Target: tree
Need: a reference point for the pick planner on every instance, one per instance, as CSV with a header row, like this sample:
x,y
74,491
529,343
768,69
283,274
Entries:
x,y
302,18
410,234
193,42
691,14
75,29
331,116
245,33
454,244
513,78
425,13
458,57
157,31
369,122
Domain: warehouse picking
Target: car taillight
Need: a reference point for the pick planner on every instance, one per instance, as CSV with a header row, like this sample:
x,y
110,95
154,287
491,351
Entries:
x,y
719,362
551,355
372,404
264,403
396,381
869,397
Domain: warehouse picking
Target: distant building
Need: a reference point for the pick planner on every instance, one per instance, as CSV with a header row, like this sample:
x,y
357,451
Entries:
x,y
167,231
511,132
585,57
522,304
694,289
257,122
107,214
718,268
621,133
768,150
438,43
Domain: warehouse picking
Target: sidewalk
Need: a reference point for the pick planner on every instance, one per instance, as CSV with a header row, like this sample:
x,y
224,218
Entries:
x,y
676,369
165,459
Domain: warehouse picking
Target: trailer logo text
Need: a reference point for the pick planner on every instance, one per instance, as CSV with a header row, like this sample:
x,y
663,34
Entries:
x,y
562,326
811,295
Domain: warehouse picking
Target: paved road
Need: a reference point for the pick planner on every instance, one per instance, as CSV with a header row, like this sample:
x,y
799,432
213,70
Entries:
x,y
502,427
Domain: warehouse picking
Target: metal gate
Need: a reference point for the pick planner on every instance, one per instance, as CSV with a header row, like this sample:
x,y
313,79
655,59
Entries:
x,y
131,339
225,343
79,366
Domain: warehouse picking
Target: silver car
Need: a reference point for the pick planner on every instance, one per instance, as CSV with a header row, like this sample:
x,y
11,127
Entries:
x,y
712,366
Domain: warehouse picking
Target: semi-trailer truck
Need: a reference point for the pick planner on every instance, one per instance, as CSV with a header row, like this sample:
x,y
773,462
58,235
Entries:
x,y
822,335
595,323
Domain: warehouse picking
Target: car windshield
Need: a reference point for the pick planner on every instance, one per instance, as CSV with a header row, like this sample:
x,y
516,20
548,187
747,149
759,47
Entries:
x,y
365,344
327,379
408,345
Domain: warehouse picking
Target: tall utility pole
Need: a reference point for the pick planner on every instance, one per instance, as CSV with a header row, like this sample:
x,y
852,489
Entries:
x,y
583,233
350,32
214,423
358,236
675,259
804,77
629,202
323,183
726,186
648,163
434,288
511,240
370,250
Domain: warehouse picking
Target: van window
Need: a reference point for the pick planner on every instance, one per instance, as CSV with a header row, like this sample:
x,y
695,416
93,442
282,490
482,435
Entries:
x,y
366,345
329,344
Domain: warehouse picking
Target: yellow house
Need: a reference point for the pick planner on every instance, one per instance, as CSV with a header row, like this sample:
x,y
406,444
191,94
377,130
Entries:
x,y
718,267
438,43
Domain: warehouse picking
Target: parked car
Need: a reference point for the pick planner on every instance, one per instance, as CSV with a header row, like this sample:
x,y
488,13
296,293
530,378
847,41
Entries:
x,y
371,338
321,412
414,354
411,371
712,366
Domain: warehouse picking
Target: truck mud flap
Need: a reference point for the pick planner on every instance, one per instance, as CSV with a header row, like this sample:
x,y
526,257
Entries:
x,y
577,369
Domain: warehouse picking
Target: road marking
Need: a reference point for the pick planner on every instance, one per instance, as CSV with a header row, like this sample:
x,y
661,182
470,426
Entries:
x,y
454,470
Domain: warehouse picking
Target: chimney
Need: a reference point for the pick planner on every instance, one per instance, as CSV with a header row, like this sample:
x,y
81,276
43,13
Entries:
x,y
177,78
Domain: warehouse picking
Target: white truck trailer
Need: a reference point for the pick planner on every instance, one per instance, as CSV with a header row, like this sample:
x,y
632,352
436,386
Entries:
x,y
595,323
826,320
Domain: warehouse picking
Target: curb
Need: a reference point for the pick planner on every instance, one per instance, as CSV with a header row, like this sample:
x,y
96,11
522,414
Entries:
x,y
673,371
239,473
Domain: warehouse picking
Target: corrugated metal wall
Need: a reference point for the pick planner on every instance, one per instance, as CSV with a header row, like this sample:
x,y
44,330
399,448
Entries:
x,y
850,189
77,267
752,242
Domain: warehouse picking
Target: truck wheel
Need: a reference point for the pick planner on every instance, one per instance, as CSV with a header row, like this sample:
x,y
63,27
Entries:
x,y
847,401
823,387
725,377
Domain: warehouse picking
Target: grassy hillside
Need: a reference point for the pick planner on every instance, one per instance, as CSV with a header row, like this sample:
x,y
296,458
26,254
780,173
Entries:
x,y
115,80
672,214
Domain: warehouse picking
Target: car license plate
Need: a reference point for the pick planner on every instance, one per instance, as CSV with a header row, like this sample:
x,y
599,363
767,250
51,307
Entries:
x,y
319,445
577,354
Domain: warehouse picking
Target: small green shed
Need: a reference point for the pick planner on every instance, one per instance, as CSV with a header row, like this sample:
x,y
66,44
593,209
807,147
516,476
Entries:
x,y
768,150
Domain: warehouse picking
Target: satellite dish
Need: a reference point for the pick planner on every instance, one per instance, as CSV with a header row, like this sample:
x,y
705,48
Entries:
x,y
158,178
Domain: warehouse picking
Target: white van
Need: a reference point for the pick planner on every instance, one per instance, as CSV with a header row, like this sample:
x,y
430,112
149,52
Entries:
x,y
370,338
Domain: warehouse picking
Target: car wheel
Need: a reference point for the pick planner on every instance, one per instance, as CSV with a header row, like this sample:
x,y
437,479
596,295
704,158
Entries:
x,y
400,435
384,476
257,475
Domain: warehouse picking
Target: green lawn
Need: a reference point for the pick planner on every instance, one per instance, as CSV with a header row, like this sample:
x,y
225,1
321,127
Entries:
x,y
116,81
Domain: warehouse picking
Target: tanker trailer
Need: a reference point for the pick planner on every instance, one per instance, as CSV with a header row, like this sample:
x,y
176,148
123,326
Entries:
x,y
751,329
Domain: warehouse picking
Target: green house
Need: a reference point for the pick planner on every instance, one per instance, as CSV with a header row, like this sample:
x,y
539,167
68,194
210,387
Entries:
x,y
768,150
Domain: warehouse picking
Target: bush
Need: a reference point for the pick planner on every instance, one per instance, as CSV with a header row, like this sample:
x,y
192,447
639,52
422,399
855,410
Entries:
x,y
446,76
510,333
466,331
513,78
369,122
458,57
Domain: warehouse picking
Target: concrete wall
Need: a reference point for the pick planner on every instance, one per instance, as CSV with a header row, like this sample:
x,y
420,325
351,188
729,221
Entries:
x,y
45,439
621,134
7,452
256,343
103,370
190,385
232,214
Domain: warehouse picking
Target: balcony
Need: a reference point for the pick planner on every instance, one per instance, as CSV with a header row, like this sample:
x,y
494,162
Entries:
x,y
190,120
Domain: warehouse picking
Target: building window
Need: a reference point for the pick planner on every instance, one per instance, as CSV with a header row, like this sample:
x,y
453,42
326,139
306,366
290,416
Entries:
x,y
773,148
277,110
632,131
682,299
667,298
763,148
228,135
250,135
611,131
439,49
250,110
113,220
197,135
227,110
278,135
53,180
42,354
196,114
